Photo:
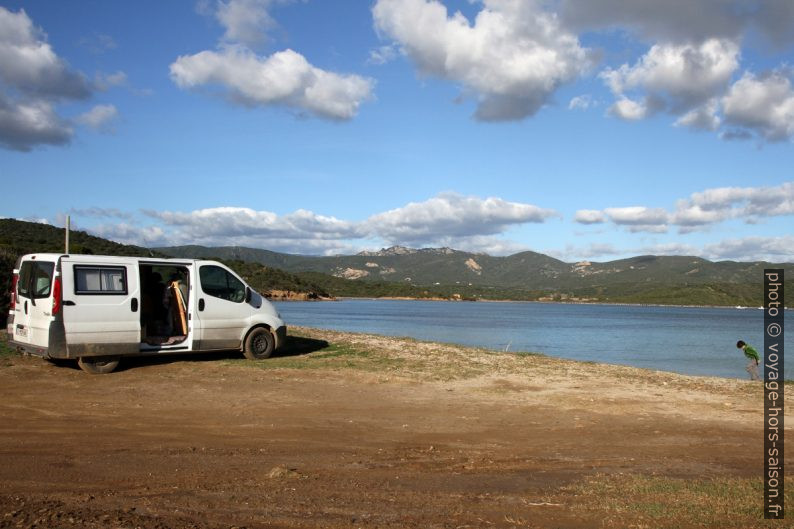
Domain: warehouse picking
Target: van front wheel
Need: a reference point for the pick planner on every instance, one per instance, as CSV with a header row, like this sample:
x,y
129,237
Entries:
x,y
98,365
259,344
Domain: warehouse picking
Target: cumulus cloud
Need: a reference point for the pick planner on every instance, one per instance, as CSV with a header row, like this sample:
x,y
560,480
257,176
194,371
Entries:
x,y
718,204
684,20
99,118
284,78
25,124
589,216
469,223
763,105
228,223
628,109
513,57
639,218
692,61
128,233
677,77
701,209
774,249
29,64
452,215
246,21
32,80
703,117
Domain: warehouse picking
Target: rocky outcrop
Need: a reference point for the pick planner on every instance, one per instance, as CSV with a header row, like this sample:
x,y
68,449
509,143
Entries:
x,y
474,266
350,273
290,295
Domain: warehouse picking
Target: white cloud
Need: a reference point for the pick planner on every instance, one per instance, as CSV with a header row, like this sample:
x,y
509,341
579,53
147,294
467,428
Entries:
x,y
29,64
774,249
32,80
284,78
24,125
245,21
589,216
452,220
703,117
452,215
639,218
582,102
127,233
513,57
234,223
684,20
628,109
764,105
678,76
718,204
99,118
701,209
382,54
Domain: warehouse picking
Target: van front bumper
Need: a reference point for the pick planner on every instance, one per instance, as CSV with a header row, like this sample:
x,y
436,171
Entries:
x,y
281,336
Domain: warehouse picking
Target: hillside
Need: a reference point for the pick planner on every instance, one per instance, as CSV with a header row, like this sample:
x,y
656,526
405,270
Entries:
x,y
525,275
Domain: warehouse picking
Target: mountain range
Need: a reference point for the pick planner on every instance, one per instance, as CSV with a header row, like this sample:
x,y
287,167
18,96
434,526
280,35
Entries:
x,y
526,275
440,273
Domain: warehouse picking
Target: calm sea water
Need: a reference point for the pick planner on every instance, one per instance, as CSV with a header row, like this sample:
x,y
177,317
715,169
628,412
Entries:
x,y
695,341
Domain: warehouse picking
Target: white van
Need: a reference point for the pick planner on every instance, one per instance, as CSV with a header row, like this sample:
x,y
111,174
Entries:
x,y
100,308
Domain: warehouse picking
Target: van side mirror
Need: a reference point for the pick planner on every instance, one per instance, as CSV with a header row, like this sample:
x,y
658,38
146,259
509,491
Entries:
x,y
248,294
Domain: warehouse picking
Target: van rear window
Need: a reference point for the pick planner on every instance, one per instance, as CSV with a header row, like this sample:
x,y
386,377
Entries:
x,y
35,279
100,280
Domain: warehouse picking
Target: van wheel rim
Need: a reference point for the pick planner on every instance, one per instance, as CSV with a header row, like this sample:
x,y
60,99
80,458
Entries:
x,y
260,344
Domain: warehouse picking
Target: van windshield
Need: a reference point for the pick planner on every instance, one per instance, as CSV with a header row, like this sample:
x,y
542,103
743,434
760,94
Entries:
x,y
35,279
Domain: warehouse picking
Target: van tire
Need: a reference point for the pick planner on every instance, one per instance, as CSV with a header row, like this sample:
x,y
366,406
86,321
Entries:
x,y
259,344
98,365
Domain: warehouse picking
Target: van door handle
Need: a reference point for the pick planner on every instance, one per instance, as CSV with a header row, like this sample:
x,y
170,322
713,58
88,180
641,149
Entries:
x,y
134,305
69,303
26,307
201,304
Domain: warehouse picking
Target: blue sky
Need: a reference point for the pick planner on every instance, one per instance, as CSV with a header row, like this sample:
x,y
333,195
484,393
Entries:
x,y
592,129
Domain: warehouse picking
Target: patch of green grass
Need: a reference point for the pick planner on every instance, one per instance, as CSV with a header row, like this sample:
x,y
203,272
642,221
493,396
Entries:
x,y
664,502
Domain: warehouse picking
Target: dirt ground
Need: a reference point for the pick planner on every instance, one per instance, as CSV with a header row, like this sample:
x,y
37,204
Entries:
x,y
345,430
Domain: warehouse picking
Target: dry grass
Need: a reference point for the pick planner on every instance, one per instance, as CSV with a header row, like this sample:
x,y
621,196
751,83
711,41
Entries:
x,y
640,501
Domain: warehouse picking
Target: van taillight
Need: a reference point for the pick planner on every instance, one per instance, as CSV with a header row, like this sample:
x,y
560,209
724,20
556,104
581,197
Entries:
x,y
13,302
56,296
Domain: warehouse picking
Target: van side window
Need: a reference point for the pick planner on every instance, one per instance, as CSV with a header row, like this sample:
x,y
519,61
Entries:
x,y
35,279
217,282
100,280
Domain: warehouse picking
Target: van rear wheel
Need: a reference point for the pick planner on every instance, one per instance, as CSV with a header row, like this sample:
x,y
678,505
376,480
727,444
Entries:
x,y
98,365
259,344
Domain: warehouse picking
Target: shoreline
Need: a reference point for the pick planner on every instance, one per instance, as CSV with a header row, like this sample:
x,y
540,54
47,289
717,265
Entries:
x,y
601,303
302,330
